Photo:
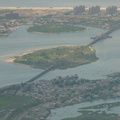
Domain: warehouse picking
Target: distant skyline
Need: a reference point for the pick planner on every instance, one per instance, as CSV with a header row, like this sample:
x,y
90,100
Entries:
x,y
57,3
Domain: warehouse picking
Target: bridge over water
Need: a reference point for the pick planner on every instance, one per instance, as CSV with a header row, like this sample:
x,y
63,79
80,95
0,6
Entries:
x,y
42,73
53,66
95,40
103,36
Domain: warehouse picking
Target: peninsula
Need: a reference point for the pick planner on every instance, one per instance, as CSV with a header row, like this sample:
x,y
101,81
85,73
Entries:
x,y
62,57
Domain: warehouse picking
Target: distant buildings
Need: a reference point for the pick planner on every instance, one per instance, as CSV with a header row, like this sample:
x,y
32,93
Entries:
x,y
91,10
79,9
111,10
94,10
12,15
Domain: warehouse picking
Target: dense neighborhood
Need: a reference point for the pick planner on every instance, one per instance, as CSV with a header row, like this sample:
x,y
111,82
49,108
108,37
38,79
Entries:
x,y
59,92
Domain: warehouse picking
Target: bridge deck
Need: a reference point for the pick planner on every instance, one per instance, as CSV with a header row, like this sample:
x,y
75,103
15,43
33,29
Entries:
x,y
96,39
103,36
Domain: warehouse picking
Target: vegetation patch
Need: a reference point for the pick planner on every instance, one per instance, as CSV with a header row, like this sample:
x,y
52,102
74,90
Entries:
x,y
17,101
16,105
5,11
55,28
59,57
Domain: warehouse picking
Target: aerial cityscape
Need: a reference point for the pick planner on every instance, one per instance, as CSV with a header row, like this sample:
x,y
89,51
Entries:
x,y
59,61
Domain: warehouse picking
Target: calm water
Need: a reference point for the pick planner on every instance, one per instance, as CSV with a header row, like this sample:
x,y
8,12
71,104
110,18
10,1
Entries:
x,y
72,111
21,41
57,3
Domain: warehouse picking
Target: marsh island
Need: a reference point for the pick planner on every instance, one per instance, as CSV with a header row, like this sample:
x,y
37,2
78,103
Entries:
x,y
55,28
62,57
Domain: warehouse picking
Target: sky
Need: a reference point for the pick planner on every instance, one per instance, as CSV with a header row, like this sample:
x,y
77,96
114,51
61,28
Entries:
x,y
57,3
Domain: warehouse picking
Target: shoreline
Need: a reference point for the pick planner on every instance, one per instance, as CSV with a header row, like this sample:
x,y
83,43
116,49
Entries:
x,y
62,32
36,8
46,8
59,32
11,60
43,63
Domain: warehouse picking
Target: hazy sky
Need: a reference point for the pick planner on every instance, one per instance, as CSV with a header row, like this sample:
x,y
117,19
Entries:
x,y
57,3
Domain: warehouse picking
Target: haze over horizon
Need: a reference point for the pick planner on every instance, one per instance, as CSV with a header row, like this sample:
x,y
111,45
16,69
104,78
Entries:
x,y
56,3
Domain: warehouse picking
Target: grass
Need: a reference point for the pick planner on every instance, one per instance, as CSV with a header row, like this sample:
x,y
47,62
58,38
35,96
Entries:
x,y
66,56
16,101
55,28
5,11
16,104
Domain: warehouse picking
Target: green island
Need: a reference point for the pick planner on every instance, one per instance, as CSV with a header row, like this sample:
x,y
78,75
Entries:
x,y
55,28
61,57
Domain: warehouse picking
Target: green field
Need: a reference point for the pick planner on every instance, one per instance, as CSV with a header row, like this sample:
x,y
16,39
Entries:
x,y
10,100
55,28
5,11
64,57
16,105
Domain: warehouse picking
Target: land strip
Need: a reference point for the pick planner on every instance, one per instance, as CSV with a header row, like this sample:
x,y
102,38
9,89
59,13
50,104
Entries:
x,y
60,57
13,17
43,8
58,92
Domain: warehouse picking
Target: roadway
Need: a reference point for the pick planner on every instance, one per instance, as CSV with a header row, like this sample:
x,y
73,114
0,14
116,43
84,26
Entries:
x,y
95,40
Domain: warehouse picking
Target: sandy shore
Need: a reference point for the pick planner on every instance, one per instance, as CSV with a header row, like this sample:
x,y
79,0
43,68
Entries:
x,y
11,60
59,32
36,8
43,8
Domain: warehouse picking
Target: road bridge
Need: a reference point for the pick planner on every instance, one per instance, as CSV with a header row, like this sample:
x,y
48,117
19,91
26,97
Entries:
x,y
41,74
53,66
103,36
95,39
